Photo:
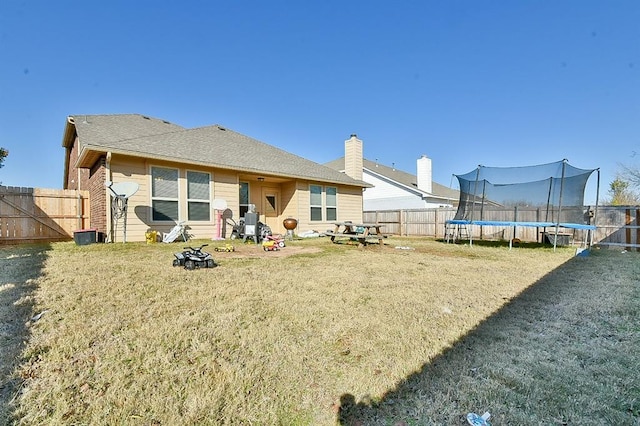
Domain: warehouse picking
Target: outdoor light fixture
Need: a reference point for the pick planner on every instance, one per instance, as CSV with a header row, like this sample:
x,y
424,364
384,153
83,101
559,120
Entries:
x,y
260,179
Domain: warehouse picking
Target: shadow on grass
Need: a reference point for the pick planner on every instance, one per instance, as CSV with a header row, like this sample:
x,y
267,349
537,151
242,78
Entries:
x,y
20,266
561,352
501,243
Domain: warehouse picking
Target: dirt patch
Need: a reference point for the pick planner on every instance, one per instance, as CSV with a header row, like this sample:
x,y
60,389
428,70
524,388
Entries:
x,y
248,250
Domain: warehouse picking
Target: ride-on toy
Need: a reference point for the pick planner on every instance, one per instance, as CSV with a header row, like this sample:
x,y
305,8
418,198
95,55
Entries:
x,y
276,238
193,258
270,245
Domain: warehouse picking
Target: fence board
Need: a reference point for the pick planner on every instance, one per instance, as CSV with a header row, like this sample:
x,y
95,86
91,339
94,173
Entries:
x,y
616,225
36,214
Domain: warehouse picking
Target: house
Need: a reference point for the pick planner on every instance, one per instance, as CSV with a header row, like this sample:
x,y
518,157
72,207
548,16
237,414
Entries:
x,y
393,189
183,173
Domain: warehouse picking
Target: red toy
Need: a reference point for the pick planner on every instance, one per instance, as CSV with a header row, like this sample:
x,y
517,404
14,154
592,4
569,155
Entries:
x,y
277,239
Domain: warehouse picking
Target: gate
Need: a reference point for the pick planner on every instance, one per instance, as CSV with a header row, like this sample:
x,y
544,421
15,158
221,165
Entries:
x,y
37,215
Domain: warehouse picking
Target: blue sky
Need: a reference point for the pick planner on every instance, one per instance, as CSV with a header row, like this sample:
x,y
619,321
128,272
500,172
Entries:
x,y
499,83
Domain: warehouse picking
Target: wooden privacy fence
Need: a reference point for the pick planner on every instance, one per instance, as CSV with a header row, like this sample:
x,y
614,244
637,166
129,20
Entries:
x,y
617,226
35,214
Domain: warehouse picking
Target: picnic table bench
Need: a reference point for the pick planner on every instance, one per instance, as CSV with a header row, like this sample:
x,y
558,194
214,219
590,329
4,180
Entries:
x,y
362,232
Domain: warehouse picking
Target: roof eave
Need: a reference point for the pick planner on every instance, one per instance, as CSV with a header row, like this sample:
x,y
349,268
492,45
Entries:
x,y
87,159
68,137
400,184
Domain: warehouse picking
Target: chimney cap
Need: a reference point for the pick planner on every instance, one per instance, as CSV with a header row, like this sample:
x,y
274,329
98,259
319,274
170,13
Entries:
x,y
353,135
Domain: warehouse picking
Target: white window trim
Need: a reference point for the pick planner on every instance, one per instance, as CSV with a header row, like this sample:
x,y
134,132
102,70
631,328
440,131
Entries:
x,y
240,203
326,204
321,205
152,198
209,201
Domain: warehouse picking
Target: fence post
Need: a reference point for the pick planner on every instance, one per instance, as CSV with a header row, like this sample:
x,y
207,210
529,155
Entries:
x,y
638,229
627,221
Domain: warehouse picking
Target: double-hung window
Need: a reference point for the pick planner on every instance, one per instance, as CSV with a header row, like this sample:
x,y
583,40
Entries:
x,y
331,203
164,194
198,196
244,198
315,202
323,202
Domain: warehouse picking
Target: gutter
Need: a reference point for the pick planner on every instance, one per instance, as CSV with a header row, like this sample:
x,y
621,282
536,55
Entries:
x,y
86,149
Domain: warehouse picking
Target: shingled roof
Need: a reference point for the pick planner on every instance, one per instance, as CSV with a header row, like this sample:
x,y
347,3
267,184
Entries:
x,y
211,146
399,176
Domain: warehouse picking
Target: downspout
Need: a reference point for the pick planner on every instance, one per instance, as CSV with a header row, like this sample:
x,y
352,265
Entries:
x,y
107,179
79,200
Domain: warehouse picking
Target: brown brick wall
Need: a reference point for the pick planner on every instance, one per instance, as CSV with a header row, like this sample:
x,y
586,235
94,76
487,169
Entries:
x,y
72,177
97,195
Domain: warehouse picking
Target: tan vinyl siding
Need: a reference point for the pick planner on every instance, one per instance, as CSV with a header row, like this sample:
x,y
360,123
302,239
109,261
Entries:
x,y
349,207
290,203
138,207
350,204
225,187
139,219
294,199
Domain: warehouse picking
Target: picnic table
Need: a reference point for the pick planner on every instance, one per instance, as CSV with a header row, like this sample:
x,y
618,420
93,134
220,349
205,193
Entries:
x,y
362,232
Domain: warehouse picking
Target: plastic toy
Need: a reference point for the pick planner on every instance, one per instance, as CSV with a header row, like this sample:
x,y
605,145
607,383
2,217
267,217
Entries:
x,y
193,258
227,248
477,420
270,245
278,239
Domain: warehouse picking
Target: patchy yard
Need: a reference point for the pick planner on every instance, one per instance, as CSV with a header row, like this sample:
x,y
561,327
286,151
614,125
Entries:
x,y
320,333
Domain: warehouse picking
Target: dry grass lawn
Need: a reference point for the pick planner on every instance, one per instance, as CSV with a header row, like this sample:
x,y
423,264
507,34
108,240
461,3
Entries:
x,y
319,334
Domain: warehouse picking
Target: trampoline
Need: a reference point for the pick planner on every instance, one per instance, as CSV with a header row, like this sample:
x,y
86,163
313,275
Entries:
x,y
555,190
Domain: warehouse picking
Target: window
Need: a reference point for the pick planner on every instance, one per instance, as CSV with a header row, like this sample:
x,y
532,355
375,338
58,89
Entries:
x,y
331,200
164,194
327,204
315,201
244,198
198,196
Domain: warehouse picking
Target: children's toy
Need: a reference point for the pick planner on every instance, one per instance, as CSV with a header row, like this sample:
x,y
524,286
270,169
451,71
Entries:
x,y
178,230
256,233
227,248
277,238
193,258
270,245
477,420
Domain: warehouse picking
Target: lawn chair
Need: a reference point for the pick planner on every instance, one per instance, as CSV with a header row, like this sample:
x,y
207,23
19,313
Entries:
x,y
178,230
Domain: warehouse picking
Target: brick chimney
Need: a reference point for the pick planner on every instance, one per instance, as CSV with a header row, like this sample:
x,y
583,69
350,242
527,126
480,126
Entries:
x,y
353,163
425,174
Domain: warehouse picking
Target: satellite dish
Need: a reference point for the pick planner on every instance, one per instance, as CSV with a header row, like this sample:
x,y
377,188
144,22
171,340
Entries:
x,y
124,189
120,193
219,204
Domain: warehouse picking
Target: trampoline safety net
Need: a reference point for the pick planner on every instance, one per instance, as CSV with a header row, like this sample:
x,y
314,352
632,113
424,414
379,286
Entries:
x,y
555,189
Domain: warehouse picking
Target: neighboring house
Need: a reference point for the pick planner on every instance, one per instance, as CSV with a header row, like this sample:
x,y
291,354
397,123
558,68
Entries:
x,y
181,172
394,189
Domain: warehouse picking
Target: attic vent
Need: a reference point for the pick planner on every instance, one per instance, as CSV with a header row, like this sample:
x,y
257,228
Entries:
x,y
145,117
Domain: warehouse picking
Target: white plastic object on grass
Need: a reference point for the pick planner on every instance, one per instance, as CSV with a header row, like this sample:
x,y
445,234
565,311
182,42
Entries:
x,y
477,420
